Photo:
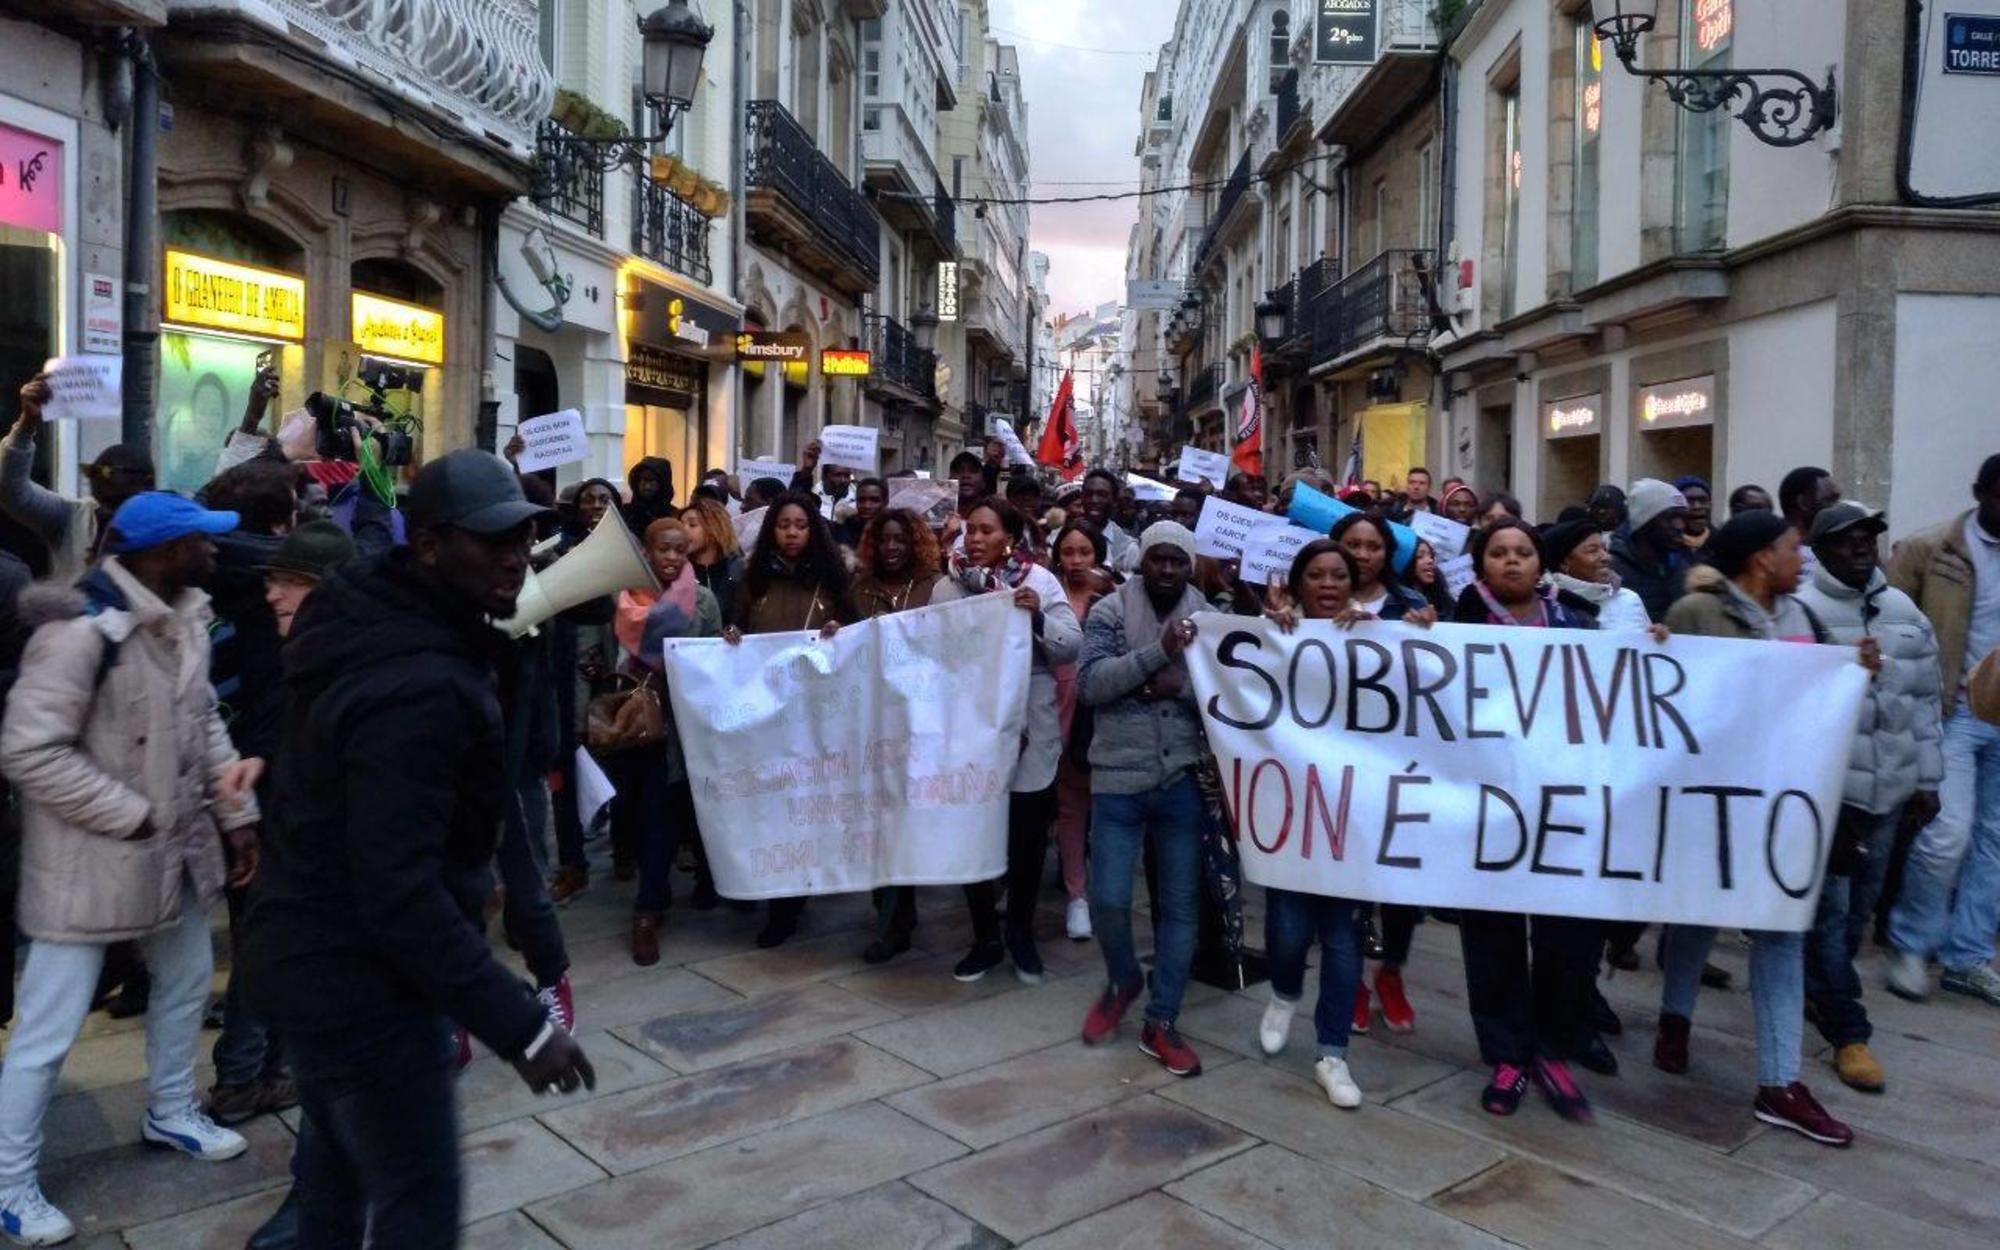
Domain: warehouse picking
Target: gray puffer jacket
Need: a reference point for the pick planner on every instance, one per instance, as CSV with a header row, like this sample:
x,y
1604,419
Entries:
x,y
1137,744
1897,747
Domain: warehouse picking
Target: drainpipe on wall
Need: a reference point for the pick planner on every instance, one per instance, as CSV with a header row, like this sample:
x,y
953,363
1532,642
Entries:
x,y
142,239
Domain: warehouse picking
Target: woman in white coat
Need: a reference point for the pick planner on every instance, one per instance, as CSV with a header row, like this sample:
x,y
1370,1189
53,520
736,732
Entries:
x,y
995,561
1580,570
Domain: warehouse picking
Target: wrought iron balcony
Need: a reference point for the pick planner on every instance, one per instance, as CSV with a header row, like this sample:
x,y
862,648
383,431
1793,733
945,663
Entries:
x,y
668,231
899,365
473,68
1380,300
1201,391
568,181
1233,192
1289,111
944,212
796,200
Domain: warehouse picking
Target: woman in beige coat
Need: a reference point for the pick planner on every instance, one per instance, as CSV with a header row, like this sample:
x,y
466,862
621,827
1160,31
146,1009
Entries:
x,y
125,774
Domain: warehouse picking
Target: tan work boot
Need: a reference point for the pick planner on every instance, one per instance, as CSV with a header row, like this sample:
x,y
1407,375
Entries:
x,y
1859,1068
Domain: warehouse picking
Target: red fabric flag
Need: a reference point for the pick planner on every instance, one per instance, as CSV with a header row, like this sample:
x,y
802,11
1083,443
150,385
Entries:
x,y
1249,453
1061,447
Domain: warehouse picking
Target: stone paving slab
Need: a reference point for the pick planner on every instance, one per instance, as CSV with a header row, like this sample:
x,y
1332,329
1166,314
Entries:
x,y
226,1224
1080,1166
916,982
1382,1069
959,1039
630,1131
703,1198
512,1231
989,1105
490,1092
889,1217
1958,1118
1149,1222
645,994
689,1041
132,1185
1530,1204
1837,1222
1298,1204
513,1164
797,962
1381,1144
1660,1168
1930,1186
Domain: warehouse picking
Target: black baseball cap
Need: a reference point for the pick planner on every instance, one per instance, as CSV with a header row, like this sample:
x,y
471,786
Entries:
x,y
469,490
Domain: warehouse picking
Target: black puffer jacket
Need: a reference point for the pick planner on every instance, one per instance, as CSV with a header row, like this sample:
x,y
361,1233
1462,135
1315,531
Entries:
x,y
244,658
389,793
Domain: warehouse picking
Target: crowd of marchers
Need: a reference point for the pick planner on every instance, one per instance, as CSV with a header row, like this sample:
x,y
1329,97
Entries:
x,y
291,695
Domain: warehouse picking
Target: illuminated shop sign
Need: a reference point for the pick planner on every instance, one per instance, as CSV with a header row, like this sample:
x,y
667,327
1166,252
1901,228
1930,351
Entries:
x,y
386,327
1672,405
225,295
1568,418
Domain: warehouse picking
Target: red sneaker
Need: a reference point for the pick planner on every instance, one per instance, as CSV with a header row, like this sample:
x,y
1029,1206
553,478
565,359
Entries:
x,y
1562,1091
1793,1107
560,1003
1670,1048
1102,1020
1396,1010
1361,1017
1502,1095
1163,1043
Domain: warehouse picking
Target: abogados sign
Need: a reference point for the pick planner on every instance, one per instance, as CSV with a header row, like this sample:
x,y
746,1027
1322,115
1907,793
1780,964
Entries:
x,y
1345,32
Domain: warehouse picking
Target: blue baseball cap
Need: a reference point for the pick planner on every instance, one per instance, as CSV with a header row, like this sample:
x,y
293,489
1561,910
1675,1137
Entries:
x,y
154,517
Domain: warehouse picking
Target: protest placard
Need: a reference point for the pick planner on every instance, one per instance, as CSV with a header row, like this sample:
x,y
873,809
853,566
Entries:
x,y
84,388
1148,490
1447,537
748,526
1224,527
551,440
1268,553
1316,510
594,790
1558,772
933,502
1457,574
748,471
1204,466
882,756
850,446
1003,429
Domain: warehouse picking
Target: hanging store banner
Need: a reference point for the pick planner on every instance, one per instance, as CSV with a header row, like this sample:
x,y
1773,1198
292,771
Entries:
x,y
1344,32
881,756
947,290
1531,770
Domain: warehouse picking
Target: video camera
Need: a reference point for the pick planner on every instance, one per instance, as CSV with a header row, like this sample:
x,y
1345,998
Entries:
x,y
337,421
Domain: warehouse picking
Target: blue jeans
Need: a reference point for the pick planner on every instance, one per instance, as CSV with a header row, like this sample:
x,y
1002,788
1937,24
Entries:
x,y
1963,846
381,1154
1777,991
1120,824
1291,921
1845,905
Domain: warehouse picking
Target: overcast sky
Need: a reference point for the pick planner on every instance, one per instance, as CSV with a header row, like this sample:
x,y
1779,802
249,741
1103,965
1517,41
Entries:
x,y
1083,118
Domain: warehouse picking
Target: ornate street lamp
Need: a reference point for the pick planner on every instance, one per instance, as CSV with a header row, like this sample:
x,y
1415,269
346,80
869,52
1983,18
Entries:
x,y
1783,113
673,42
1270,321
923,327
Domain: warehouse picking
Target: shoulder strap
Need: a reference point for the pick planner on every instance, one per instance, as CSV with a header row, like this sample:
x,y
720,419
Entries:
x,y
1821,634
101,595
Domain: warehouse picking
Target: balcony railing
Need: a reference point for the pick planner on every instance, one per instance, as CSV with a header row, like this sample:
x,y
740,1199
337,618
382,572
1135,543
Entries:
x,y
473,65
783,160
1203,388
945,210
668,231
1288,104
568,180
898,361
1233,192
1381,299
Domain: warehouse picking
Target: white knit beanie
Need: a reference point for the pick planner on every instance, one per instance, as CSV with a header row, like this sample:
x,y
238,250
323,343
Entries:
x,y
1169,533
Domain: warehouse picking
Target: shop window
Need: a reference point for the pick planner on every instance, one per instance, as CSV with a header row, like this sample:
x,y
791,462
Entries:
x,y
1589,122
1702,169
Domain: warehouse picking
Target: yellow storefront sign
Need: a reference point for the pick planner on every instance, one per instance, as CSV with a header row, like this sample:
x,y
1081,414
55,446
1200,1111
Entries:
x,y
206,292
387,327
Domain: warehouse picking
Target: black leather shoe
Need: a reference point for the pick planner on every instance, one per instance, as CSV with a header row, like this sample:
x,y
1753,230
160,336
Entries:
x,y
1597,1057
281,1231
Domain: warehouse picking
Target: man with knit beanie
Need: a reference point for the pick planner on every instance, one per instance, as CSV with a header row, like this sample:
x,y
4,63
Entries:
x,y
1143,751
1696,534
1647,552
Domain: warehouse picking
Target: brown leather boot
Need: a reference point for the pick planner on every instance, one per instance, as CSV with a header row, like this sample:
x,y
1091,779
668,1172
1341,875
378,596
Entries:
x,y
646,937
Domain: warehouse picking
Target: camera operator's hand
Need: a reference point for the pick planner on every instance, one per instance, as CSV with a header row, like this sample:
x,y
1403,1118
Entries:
x,y
35,394
559,1063
263,389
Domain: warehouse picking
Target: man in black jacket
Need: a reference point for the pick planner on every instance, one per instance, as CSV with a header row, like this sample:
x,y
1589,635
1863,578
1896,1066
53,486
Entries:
x,y
364,939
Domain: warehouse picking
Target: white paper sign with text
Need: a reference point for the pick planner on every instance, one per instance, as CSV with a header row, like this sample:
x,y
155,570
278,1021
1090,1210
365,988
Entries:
x,y
84,388
1447,537
1225,527
1269,553
1204,466
1003,429
1560,772
882,756
1457,574
552,440
748,471
851,446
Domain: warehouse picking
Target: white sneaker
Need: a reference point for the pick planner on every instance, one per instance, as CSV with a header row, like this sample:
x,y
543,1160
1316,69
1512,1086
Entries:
x,y
192,1133
29,1219
1334,1078
1275,1029
1909,976
1079,920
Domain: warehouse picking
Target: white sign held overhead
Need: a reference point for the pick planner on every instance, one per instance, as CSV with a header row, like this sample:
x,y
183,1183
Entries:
x,y
1268,553
1457,574
84,388
1559,772
551,440
1003,429
850,446
1204,466
748,471
879,757
1224,528
933,502
1447,537
1147,490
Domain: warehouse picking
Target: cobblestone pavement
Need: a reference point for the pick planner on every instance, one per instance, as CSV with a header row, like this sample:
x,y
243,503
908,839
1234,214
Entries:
x,y
796,1098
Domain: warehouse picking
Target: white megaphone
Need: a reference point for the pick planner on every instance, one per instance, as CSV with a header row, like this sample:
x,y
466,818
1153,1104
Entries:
x,y
603,564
